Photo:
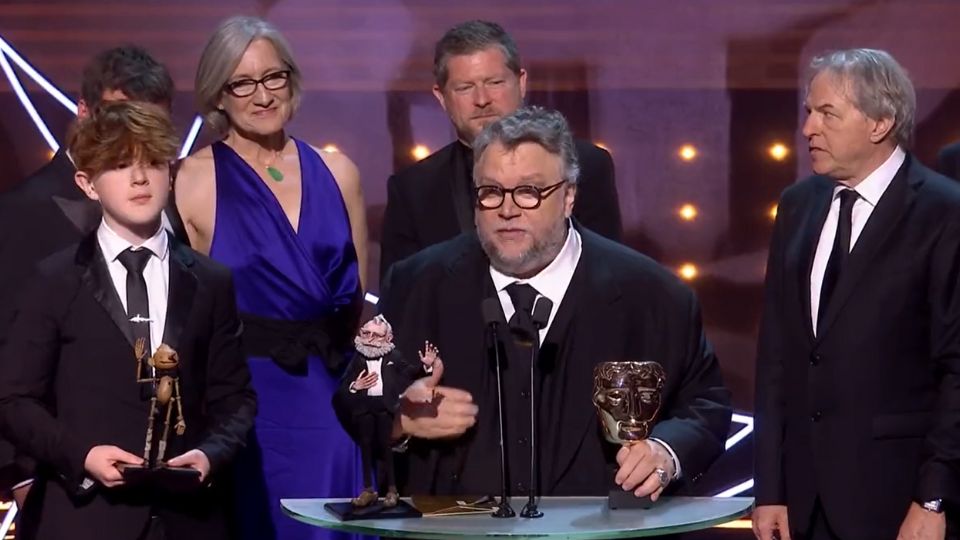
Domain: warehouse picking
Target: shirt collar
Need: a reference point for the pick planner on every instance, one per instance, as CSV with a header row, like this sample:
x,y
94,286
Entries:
x,y
553,280
112,244
873,186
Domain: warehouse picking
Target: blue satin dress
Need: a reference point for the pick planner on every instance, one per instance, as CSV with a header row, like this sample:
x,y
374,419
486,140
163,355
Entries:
x,y
297,448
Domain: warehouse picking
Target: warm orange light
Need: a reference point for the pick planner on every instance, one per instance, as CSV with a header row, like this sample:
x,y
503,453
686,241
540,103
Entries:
x,y
772,212
688,271
736,524
778,151
50,154
687,212
601,145
687,152
330,148
419,152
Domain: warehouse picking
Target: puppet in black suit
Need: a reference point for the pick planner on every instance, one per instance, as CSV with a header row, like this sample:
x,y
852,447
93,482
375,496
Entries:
x,y
69,392
858,370
366,402
478,79
47,212
612,304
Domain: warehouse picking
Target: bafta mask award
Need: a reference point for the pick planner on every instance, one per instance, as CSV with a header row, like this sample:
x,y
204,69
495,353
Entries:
x,y
627,397
162,372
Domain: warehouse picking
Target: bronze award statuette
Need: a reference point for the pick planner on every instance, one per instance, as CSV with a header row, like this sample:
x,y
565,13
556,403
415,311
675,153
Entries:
x,y
627,396
162,372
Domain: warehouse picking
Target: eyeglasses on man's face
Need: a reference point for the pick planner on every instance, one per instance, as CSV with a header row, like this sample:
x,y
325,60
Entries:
x,y
241,88
527,197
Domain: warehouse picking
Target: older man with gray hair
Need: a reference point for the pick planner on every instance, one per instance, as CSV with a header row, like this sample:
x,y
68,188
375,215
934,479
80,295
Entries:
x,y
858,368
610,304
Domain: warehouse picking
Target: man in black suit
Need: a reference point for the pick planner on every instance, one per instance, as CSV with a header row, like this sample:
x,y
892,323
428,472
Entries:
x,y
612,304
70,396
47,212
479,78
858,368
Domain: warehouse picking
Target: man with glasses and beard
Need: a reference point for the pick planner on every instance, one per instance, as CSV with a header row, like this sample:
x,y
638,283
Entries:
x,y
610,304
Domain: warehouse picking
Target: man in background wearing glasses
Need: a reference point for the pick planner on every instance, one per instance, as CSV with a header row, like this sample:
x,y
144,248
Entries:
x,y
610,303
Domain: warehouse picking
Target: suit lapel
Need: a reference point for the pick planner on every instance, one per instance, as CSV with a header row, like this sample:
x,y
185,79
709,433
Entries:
x,y
183,287
807,246
96,278
591,296
462,199
891,208
467,284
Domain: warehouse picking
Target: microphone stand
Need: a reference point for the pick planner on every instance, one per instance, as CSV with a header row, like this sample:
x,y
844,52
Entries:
x,y
492,315
540,314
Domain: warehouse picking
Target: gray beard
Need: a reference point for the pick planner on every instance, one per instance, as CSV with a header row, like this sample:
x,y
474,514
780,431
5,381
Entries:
x,y
539,256
372,351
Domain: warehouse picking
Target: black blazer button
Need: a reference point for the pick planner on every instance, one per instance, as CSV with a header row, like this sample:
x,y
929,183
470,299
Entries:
x,y
816,416
815,359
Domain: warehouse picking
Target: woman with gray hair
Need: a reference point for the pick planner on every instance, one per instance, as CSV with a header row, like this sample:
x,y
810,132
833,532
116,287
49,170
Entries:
x,y
288,219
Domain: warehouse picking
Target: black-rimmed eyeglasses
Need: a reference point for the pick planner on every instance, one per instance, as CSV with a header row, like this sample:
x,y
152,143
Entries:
x,y
526,196
246,87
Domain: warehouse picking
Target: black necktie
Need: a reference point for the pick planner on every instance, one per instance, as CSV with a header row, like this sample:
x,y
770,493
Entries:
x,y
138,307
839,253
521,324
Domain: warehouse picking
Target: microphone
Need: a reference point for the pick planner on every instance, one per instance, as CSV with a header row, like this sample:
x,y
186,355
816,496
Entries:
x,y
493,317
540,315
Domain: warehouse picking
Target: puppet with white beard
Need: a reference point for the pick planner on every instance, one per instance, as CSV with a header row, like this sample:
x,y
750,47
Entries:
x,y
367,401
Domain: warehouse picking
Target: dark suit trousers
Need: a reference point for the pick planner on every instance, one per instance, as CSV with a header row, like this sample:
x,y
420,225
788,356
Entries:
x,y
818,528
374,427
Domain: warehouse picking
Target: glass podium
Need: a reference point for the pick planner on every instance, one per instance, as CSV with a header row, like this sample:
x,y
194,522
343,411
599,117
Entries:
x,y
572,518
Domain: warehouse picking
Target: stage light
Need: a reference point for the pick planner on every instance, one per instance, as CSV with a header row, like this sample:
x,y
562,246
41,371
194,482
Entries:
x,y
736,490
599,144
778,151
688,271
687,152
419,152
50,153
772,212
332,148
687,212
736,524
191,136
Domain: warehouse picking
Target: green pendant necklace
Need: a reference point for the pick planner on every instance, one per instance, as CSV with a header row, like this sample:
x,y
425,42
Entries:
x,y
275,173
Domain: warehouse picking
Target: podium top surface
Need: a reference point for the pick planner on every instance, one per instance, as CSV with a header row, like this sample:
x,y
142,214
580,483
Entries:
x,y
573,518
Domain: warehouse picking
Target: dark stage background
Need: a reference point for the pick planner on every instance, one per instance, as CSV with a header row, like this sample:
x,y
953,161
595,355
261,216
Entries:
x,y
644,78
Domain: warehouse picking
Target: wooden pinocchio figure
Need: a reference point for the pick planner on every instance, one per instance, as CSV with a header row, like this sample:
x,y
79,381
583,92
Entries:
x,y
165,378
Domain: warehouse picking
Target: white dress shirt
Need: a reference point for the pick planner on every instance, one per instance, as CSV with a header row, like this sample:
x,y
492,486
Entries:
x,y
156,274
869,192
552,282
375,366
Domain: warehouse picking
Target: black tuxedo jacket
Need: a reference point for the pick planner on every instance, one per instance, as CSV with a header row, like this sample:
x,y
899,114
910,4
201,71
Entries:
x,y
430,201
68,384
619,306
948,161
44,214
396,372
867,414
